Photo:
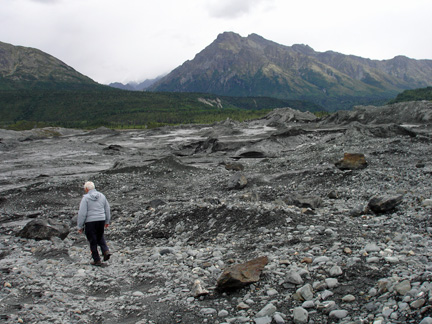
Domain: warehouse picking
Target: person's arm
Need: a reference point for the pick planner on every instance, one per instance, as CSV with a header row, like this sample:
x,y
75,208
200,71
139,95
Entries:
x,y
107,213
82,215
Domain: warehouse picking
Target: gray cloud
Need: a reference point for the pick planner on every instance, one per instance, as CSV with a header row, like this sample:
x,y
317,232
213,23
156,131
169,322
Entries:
x,y
46,1
232,9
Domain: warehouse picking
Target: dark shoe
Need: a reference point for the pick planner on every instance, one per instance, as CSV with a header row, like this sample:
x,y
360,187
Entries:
x,y
96,263
107,255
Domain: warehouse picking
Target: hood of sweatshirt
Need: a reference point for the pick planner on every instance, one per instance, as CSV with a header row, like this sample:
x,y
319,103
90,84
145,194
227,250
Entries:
x,y
93,194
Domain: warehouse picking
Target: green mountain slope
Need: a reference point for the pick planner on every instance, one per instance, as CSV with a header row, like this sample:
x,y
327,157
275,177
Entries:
x,y
24,68
253,66
413,95
120,108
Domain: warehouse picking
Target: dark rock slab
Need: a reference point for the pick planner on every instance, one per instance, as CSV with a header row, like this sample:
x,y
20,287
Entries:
x,y
243,274
237,181
155,203
304,201
40,229
382,204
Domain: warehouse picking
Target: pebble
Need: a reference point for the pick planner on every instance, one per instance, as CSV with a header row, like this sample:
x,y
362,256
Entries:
x,y
294,277
331,282
348,298
338,313
403,287
223,313
306,292
278,319
263,320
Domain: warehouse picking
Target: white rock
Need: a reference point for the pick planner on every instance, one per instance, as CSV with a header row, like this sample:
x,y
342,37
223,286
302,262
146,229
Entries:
x,y
321,259
339,313
223,313
335,271
348,298
306,292
268,310
300,315
263,320
294,277
372,247
331,282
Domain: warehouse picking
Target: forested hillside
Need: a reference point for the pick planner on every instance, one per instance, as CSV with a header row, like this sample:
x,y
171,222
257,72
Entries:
x,y
414,95
119,108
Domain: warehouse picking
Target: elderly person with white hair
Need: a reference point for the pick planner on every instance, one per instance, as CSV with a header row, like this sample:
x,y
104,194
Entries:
x,y
94,216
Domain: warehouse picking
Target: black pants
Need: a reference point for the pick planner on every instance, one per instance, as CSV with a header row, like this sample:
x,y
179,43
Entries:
x,y
95,235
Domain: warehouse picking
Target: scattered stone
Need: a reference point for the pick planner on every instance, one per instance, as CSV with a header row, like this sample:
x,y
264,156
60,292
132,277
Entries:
x,y
426,320
418,303
155,203
427,203
268,310
198,290
335,271
403,287
306,292
233,166
331,282
294,277
208,311
348,298
223,313
237,182
263,320
338,313
372,247
321,259
352,161
300,315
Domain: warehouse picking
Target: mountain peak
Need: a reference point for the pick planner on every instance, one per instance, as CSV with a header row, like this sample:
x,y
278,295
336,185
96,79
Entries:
x,y
228,37
253,66
304,49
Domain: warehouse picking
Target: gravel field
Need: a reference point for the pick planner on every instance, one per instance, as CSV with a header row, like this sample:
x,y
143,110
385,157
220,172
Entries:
x,y
345,243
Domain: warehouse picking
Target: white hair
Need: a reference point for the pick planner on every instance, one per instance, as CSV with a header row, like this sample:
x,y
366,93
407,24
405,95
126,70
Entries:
x,y
89,185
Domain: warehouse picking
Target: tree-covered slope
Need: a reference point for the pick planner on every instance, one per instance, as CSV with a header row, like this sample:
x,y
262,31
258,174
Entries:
x,y
119,108
414,95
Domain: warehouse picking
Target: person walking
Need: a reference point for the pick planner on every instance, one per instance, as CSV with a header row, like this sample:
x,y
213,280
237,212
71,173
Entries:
x,y
93,217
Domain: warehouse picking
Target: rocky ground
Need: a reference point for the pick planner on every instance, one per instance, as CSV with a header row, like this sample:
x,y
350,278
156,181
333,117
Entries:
x,y
189,202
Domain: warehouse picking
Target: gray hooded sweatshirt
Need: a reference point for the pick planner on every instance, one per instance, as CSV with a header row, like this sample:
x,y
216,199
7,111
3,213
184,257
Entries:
x,y
94,207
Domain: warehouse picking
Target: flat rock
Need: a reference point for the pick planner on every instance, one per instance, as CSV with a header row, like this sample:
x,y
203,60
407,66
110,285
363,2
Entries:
x,y
352,161
382,204
242,274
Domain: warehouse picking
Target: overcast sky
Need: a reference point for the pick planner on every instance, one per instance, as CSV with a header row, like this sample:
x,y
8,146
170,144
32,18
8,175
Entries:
x,y
132,40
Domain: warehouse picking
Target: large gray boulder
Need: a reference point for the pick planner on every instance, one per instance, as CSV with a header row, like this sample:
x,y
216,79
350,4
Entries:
x,y
40,229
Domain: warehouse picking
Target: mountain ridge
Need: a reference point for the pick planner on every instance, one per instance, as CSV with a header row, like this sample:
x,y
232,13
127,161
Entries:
x,y
30,68
254,66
